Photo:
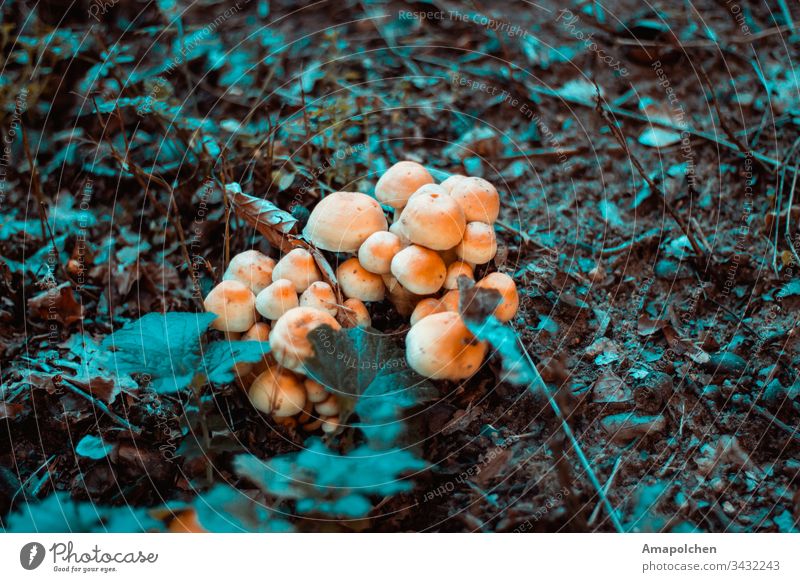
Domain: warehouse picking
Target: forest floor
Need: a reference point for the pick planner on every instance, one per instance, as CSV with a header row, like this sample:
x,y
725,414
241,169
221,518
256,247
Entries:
x,y
653,236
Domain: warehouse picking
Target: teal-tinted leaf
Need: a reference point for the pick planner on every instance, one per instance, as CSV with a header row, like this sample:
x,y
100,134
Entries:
x,y
791,288
368,369
477,306
220,357
224,509
58,514
324,481
93,447
166,347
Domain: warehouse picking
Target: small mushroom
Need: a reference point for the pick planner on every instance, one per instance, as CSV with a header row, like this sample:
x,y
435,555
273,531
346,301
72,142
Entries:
x,y
315,391
479,244
278,392
359,283
478,199
234,305
259,332
377,252
454,271
449,301
289,336
354,312
299,267
343,220
419,269
320,295
400,181
441,347
426,307
451,182
328,407
277,299
433,220
330,424
508,289
251,268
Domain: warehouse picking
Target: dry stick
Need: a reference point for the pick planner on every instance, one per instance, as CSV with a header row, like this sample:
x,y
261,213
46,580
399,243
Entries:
x,y
744,149
539,383
100,405
620,137
47,231
620,112
606,487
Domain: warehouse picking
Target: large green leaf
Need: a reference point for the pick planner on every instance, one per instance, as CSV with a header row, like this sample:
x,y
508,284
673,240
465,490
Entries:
x,y
322,481
165,346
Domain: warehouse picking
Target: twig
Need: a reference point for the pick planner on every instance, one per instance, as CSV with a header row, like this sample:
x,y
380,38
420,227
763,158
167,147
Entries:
x,y
606,487
792,432
539,383
620,137
620,112
102,406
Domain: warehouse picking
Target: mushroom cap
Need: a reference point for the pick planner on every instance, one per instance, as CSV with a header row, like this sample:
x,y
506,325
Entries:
x,y
278,392
234,305
289,336
429,189
359,283
259,332
454,271
433,220
299,267
426,307
315,391
479,244
478,199
419,270
441,347
451,181
328,407
341,221
354,312
251,268
377,252
400,181
277,299
449,301
508,289
320,295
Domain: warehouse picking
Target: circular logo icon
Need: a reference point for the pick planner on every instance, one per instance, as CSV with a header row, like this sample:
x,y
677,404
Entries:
x,y
31,555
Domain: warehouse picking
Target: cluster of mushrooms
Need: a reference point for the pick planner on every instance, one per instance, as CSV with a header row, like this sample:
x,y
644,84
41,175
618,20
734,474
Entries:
x,y
439,232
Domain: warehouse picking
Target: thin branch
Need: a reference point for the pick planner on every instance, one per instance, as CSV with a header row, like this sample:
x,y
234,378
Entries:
x,y
540,385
